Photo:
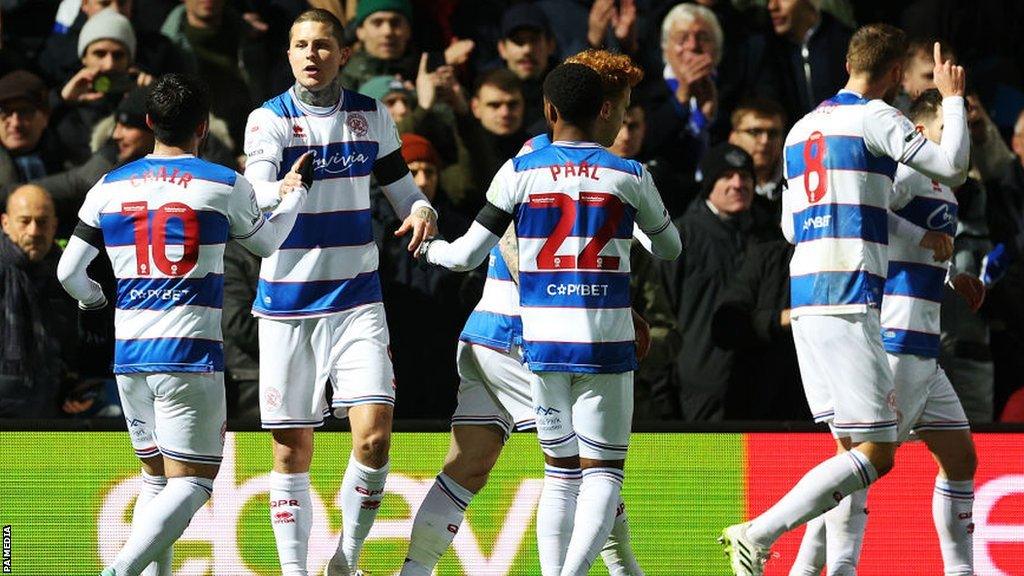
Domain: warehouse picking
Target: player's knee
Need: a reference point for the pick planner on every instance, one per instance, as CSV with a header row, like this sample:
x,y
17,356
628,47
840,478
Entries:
x,y
471,469
882,456
470,475
293,449
372,448
970,461
962,465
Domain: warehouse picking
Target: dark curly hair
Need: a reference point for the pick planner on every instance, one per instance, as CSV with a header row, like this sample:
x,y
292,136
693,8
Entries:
x,y
576,92
177,104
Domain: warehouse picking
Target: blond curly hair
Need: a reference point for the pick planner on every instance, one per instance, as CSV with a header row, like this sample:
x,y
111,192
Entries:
x,y
617,71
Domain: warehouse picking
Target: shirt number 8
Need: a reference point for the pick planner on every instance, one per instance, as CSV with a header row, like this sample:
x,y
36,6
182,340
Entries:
x,y
814,157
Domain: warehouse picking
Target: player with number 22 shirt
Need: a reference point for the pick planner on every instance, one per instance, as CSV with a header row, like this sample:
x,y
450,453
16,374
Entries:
x,y
574,205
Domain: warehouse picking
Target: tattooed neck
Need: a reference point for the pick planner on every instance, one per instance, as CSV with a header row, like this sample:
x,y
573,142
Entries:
x,y
324,98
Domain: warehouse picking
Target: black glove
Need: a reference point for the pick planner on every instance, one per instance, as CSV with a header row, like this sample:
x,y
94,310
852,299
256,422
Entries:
x,y
306,171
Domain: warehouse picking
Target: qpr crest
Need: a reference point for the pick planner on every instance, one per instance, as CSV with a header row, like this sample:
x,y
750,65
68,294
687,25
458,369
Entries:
x,y
357,124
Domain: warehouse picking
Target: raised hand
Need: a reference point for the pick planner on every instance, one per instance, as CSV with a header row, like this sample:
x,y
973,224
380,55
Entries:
x,y
79,90
457,53
949,78
624,25
601,14
426,85
429,84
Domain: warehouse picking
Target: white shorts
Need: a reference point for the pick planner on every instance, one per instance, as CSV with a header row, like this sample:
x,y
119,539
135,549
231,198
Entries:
x,y
298,357
846,375
182,415
925,396
494,389
589,415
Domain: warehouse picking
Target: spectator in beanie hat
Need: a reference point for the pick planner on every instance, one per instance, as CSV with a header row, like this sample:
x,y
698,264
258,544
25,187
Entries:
x,y
410,116
384,31
424,163
106,48
717,231
394,93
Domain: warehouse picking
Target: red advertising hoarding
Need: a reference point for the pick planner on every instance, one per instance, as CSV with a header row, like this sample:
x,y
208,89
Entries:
x,y
901,536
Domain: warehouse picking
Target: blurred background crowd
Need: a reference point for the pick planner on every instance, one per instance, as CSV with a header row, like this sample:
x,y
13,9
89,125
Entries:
x,y
462,79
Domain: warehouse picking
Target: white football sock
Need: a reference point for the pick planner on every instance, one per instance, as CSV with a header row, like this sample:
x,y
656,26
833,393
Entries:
x,y
817,492
618,552
952,511
844,526
151,486
810,559
595,513
362,490
291,516
166,517
555,513
436,524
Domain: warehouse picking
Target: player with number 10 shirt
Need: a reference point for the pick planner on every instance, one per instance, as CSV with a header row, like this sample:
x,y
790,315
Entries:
x,y
164,221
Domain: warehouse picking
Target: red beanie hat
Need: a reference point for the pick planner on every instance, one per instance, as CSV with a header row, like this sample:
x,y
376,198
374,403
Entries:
x,y
416,148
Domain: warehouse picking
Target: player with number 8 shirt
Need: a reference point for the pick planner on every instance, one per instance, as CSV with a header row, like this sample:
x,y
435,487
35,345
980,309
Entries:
x,y
164,221
840,160
574,205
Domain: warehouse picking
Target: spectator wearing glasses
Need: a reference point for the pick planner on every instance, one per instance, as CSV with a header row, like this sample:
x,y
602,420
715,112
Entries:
x,y
757,127
25,152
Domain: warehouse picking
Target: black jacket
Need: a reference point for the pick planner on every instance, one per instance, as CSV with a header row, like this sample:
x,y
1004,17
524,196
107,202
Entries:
x,y
38,338
713,252
783,78
765,382
424,311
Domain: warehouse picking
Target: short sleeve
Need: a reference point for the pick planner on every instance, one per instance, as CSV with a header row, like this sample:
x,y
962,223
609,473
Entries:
x,y
387,135
264,140
887,132
244,215
651,215
92,206
501,193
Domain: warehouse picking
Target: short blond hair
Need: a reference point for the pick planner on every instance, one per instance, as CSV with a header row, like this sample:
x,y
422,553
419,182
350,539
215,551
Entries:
x,y
875,48
617,71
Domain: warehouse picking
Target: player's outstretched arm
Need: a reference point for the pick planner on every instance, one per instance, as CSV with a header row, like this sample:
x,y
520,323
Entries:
x,y
418,217
267,235
471,249
71,270
893,135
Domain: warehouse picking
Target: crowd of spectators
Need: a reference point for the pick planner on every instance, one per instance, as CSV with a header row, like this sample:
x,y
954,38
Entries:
x,y
462,79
